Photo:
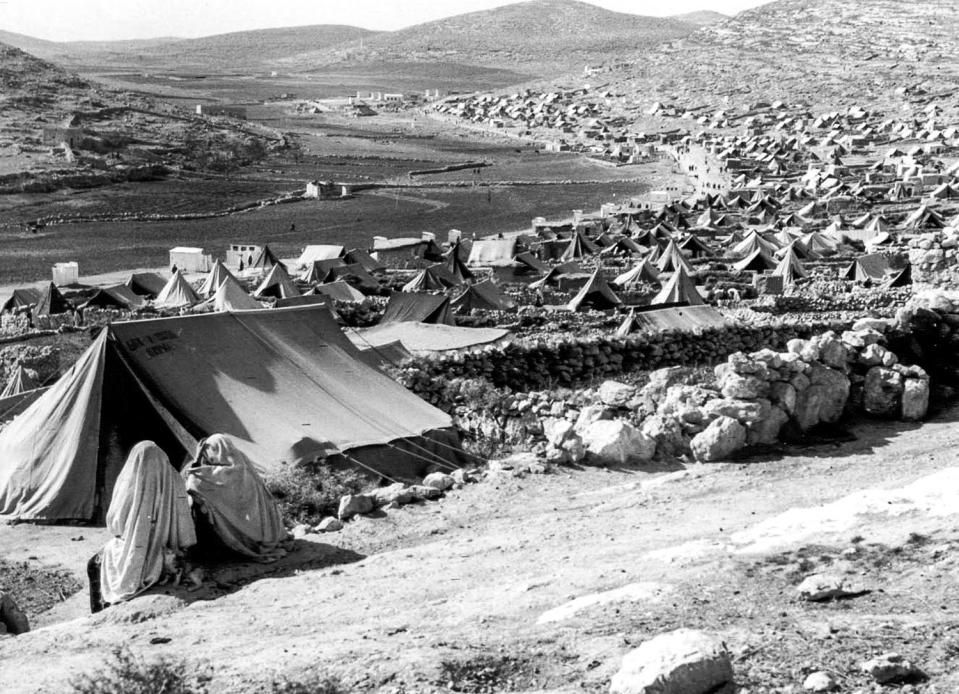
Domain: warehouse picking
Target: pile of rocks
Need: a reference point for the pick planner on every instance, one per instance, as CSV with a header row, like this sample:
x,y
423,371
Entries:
x,y
934,259
748,401
43,361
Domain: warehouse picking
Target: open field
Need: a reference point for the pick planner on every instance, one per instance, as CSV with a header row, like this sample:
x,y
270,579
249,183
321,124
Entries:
x,y
102,246
709,546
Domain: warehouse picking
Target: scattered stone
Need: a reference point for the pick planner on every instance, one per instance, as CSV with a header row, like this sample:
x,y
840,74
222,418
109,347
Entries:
x,y
354,504
394,493
882,392
616,394
891,667
300,531
915,399
823,587
423,493
723,437
819,682
438,480
684,661
329,525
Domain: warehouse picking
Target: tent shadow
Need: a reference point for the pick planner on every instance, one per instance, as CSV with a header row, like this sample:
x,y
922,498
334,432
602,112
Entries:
x,y
224,574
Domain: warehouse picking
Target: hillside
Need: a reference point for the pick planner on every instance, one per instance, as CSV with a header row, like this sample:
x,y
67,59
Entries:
x,y
539,36
701,18
826,52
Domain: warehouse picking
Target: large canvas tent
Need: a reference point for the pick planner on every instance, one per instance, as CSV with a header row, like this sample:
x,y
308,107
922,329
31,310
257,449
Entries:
x,y
52,302
484,296
177,293
147,284
285,385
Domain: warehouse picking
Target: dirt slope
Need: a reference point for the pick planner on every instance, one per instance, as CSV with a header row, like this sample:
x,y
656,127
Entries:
x,y
452,586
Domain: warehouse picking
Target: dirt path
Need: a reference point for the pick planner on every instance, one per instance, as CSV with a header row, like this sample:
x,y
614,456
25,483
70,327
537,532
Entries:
x,y
471,577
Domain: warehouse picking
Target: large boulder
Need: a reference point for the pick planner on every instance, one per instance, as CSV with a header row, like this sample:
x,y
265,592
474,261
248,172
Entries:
x,y
588,415
394,493
745,411
668,434
723,437
684,661
915,399
765,431
354,505
616,394
823,400
734,385
615,442
882,392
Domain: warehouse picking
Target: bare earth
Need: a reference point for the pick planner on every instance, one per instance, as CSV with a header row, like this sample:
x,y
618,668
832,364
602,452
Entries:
x,y
491,570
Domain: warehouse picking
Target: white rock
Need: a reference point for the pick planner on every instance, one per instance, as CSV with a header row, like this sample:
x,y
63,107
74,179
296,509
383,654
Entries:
x,y
819,682
684,661
300,530
723,437
396,492
915,399
616,394
438,480
354,504
890,667
615,442
822,587
329,525
588,415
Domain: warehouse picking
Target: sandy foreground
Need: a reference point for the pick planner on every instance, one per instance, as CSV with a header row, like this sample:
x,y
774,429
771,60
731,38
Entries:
x,y
565,572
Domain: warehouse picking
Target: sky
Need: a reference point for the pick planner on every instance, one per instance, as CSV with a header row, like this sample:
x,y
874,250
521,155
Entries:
x,y
101,20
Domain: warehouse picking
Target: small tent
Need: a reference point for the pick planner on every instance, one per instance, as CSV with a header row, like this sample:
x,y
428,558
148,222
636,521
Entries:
x,y
20,382
433,278
277,284
230,296
118,296
790,268
214,278
364,259
643,271
483,296
51,302
264,260
867,268
176,293
146,284
672,259
595,294
340,291
757,261
420,307
679,289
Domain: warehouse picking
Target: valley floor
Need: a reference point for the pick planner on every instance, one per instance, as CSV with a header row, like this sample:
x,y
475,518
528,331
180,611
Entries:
x,y
475,592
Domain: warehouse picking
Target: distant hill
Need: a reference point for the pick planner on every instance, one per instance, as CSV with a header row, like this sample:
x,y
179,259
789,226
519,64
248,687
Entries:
x,y
28,81
813,51
258,49
541,36
701,18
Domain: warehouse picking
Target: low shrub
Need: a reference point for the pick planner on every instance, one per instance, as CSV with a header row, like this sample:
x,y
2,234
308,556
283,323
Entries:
x,y
307,493
129,674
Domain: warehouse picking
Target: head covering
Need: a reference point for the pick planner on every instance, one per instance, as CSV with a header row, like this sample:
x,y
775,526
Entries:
x,y
234,499
149,512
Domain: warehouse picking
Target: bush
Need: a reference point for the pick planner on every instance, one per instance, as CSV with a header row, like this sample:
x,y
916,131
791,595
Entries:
x,y
128,674
307,493
314,684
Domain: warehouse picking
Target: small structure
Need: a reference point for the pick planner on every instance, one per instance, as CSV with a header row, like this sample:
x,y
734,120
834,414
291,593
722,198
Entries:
x,y
242,254
66,274
319,190
221,110
54,135
190,259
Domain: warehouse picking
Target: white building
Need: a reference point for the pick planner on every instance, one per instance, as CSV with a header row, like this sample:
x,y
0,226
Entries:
x,y
190,259
66,274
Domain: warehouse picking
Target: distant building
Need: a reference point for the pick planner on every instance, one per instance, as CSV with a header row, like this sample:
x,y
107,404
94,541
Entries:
x,y
57,135
65,274
221,110
190,259
242,254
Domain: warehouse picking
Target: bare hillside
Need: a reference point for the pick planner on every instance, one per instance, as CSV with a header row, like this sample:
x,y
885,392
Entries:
x,y
547,36
702,17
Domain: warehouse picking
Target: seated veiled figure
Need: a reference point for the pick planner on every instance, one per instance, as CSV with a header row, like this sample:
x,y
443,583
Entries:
x,y
230,497
149,516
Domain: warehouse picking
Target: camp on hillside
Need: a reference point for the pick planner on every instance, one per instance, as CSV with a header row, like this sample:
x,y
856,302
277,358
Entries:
x,y
284,385
419,307
433,278
231,296
642,272
340,291
425,337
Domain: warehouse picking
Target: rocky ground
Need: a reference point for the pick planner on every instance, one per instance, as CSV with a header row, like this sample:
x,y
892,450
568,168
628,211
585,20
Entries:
x,y
544,582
